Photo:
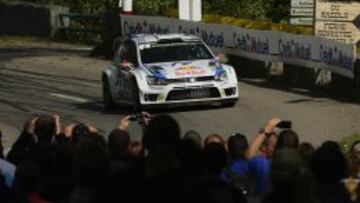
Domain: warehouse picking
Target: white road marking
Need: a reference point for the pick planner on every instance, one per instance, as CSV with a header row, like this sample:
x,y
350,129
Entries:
x,y
69,97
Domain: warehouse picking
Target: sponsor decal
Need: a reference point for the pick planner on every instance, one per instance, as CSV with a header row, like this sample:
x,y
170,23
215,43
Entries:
x,y
189,71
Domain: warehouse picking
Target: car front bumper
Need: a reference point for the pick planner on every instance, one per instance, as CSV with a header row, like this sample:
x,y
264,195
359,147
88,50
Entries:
x,y
185,93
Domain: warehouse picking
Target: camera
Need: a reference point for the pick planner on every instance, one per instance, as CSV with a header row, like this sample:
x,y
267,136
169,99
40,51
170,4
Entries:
x,y
135,117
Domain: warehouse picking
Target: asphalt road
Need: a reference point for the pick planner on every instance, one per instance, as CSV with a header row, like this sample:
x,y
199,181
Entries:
x,y
45,80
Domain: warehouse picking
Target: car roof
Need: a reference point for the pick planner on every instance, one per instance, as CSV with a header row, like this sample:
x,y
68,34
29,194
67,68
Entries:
x,y
158,38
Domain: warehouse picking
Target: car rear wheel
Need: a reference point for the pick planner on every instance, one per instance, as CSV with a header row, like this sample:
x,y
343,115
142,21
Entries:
x,y
107,97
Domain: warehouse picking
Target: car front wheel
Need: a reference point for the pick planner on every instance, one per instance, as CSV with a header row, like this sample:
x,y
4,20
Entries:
x,y
107,97
135,97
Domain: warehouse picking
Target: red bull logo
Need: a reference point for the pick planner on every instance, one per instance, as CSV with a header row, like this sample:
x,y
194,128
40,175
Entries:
x,y
189,71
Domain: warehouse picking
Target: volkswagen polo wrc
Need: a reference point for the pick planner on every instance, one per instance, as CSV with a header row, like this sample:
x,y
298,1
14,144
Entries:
x,y
167,69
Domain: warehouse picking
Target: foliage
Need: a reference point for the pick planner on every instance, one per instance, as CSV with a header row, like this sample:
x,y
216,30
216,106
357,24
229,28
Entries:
x,y
347,142
153,7
82,6
251,9
279,11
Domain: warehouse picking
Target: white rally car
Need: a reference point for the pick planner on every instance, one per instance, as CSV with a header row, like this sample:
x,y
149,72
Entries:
x,y
168,69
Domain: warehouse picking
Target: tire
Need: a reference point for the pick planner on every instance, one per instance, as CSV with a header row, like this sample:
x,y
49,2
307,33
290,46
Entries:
x,y
107,97
135,97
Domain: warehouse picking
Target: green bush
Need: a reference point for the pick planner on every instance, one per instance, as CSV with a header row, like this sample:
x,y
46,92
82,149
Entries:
x,y
347,142
251,9
153,7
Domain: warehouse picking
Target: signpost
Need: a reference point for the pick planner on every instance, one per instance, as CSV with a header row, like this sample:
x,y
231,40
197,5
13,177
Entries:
x,y
337,21
345,32
302,21
302,3
302,12
337,11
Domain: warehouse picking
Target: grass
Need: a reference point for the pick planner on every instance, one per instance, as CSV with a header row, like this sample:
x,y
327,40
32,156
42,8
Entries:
x,y
6,40
19,39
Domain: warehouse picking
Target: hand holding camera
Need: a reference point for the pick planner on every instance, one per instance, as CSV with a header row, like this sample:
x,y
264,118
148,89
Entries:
x,y
275,123
143,118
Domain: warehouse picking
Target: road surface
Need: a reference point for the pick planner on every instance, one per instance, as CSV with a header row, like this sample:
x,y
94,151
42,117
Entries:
x,y
44,80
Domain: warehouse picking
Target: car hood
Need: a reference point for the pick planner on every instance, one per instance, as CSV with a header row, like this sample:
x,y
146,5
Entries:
x,y
175,70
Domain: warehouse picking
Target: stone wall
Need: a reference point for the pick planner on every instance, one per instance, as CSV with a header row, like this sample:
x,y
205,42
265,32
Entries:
x,y
19,18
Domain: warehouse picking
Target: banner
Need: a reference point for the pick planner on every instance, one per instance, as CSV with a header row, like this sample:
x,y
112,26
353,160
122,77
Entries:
x,y
337,57
307,51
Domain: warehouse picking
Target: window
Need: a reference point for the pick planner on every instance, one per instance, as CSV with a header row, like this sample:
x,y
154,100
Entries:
x,y
130,53
174,52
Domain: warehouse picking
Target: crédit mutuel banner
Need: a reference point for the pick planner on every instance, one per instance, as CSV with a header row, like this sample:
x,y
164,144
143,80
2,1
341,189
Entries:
x,y
306,51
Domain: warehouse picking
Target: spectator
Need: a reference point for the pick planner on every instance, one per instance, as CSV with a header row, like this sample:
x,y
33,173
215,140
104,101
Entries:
x,y
354,164
161,130
7,169
214,138
306,151
194,136
329,167
290,180
215,158
6,194
78,165
27,182
238,172
1,147
119,144
45,129
19,150
287,139
136,150
259,155
80,133
212,190
7,175
191,158
355,148
352,183
60,184
90,170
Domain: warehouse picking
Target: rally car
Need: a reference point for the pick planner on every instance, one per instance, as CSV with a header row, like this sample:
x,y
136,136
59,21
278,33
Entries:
x,y
167,69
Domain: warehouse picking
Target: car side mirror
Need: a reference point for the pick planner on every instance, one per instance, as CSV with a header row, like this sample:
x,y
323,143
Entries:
x,y
221,58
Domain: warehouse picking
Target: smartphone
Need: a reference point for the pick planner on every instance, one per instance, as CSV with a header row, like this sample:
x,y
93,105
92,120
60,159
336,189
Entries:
x,y
284,124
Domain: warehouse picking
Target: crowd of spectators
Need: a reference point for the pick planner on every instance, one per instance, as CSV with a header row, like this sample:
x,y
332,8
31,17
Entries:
x,y
50,162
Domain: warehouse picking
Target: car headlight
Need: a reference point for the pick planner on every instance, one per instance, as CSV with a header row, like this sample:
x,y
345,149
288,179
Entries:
x,y
220,74
155,81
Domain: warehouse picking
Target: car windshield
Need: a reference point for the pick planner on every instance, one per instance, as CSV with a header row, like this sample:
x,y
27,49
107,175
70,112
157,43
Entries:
x,y
157,53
